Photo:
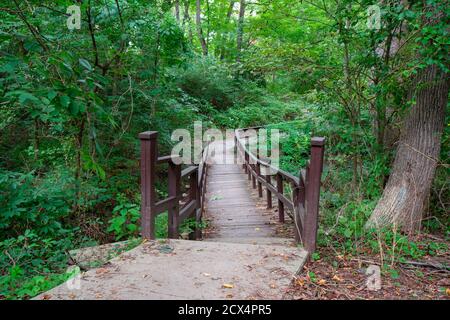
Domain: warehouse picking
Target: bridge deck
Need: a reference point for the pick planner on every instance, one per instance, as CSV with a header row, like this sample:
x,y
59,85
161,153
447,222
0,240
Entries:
x,y
232,207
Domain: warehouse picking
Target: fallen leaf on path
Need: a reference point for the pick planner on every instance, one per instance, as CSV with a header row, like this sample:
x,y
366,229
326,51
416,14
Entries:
x,y
49,296
300,282
206,274
228,286
321,282
336,278
101,271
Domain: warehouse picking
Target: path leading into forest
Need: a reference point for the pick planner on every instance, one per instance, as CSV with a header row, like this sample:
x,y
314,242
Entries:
x,y
240,258
233,209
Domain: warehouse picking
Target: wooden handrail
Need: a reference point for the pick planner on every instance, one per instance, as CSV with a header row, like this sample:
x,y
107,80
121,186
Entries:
x,y
166,159
150,209
188,171
305,189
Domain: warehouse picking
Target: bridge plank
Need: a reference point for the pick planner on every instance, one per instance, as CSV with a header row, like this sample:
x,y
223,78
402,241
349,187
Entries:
x,y
231,207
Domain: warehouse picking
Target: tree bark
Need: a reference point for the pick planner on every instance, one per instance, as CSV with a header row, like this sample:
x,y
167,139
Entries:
x,y
222,37
198,20
240,30
187,21
177,10
406,193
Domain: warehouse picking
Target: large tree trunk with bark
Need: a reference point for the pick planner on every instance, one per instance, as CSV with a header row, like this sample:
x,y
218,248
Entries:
x,y
405,196
198,20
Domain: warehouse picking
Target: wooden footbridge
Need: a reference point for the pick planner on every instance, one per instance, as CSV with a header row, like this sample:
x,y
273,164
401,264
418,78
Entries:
x,y
249,206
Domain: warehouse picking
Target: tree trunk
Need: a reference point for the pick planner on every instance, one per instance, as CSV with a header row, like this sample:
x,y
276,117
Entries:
x,y
404,198
198,20
240,30
177,10
223,39
187,21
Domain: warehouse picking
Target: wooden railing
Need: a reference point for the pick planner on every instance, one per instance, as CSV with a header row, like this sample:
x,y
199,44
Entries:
x,y
177,207
303,201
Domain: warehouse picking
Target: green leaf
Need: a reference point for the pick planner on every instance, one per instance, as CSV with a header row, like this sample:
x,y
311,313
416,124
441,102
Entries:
x,y
64,100
85,64
74,108
348,233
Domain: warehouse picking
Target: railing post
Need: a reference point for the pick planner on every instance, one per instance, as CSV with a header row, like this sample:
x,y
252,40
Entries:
x,y
258,174
148,195
313,194
280,203
295,193
268,192
194,194
299,204
174,186
246,157
253,176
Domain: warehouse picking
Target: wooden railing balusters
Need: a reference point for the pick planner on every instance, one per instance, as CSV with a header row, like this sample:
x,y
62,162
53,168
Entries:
x,y
150,208
174,181
258,172
268,192
280,189
304,201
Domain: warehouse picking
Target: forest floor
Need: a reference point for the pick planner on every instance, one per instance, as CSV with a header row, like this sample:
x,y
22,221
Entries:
x,y
343,276
338,276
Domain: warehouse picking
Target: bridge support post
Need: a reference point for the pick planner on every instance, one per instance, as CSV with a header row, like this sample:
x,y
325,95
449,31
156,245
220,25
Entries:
x,y
148,195
194,194
246,157
268,192
174,181
280,203
313,175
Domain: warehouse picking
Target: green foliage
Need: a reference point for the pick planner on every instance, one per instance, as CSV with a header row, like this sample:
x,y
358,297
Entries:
x,y
31,264
190,225
31,202
72,104
207,80
125,219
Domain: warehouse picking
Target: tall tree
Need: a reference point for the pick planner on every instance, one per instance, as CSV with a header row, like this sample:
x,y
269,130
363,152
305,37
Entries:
x,y
240,29
227,20
187,21
177,10
198,20
405,196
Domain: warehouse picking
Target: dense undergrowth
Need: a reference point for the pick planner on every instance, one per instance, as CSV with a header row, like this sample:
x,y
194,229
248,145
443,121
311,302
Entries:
x,y
69,170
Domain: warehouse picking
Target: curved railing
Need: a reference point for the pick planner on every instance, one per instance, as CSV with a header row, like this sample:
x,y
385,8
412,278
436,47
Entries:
x,y
179,208
303,201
